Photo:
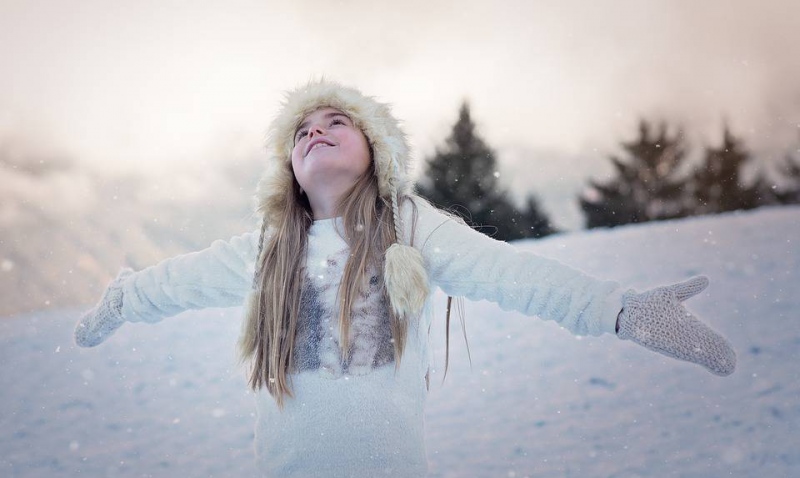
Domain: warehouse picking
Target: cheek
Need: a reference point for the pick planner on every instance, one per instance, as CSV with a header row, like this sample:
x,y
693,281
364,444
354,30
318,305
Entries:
x,y
296,156
297,168
363,148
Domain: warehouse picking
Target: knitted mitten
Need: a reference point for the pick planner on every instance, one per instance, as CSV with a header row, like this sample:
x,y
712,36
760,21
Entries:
x,y
105,318
657,320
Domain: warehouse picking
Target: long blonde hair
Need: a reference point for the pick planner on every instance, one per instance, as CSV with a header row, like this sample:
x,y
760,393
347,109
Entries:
x,y
270,328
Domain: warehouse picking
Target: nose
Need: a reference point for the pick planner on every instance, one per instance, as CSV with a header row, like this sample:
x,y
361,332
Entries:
x,y
314,130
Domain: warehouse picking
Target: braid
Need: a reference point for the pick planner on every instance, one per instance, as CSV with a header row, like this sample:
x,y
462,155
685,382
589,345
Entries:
x,y
256,274
395,213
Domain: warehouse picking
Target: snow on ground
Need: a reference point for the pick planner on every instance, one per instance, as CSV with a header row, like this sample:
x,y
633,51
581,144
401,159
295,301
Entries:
x,y
170,400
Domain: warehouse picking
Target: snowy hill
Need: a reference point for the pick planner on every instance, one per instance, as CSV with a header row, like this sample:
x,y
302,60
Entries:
x,y
169,399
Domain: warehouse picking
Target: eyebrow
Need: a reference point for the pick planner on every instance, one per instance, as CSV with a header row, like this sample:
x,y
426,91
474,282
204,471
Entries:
x,y
327,116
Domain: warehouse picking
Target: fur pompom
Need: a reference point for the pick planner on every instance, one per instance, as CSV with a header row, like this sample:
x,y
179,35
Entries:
x,y
406,280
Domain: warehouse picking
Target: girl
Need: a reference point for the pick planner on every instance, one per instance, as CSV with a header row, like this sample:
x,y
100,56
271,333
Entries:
x,y
337,283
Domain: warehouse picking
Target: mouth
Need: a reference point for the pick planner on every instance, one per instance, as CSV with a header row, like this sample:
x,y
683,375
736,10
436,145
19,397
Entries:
x,y
316,144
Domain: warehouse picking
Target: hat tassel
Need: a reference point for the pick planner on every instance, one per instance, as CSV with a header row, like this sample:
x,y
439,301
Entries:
x,y
404,273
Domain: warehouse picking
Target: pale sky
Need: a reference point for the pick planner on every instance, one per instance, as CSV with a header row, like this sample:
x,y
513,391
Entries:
x,y
134,84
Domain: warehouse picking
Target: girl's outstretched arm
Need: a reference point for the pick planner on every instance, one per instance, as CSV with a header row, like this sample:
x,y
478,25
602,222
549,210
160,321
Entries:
x,y
218,276
465,262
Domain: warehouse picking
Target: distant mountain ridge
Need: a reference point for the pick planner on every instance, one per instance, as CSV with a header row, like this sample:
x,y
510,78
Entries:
x,y
65,231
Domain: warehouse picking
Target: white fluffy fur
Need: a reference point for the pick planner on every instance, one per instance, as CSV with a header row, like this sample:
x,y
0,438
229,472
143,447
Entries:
x,y
406,279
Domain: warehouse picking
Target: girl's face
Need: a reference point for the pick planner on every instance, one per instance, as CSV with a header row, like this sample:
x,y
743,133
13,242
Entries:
x,y
329,153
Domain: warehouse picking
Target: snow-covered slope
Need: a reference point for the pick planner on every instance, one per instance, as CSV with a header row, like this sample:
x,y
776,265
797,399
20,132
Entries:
x,y
170,400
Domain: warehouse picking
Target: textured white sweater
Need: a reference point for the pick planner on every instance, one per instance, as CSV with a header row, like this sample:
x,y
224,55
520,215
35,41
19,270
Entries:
x,y
361,415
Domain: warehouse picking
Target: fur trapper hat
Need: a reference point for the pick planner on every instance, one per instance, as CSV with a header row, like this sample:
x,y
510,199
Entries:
x,y
404,273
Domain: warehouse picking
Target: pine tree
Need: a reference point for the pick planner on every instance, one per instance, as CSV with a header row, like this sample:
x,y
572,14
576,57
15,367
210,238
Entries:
x,y
463,177
718,184
533,222
790,194
647,186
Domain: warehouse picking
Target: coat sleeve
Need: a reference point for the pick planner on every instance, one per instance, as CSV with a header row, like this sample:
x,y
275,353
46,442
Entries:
x,y
218,276
464,262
